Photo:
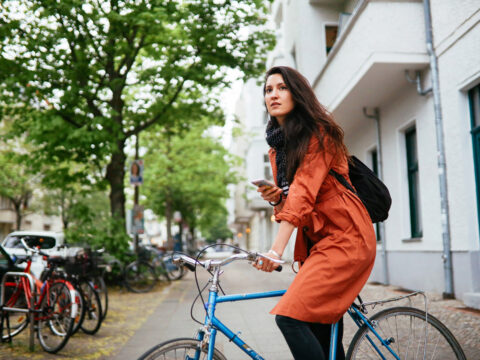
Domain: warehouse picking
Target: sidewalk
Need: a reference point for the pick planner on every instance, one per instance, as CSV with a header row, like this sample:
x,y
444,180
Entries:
x,y
258,329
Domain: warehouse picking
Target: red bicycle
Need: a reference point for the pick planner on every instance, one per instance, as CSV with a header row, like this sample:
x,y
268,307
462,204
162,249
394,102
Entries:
x,y
53,303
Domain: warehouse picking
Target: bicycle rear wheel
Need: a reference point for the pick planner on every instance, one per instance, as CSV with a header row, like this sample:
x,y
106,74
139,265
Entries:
x,y
55,321
175,272
93,309
101,288
139,277
181,348
161,270
80,310
409,335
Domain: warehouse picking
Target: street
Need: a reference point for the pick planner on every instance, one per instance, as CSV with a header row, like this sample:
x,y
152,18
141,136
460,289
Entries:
x,y
172,317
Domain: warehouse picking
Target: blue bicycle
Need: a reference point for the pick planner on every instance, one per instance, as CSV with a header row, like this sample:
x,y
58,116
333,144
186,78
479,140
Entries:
x,y
399,333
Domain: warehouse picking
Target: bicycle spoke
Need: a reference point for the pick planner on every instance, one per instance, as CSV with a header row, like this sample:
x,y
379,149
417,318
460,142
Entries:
x,y
413,335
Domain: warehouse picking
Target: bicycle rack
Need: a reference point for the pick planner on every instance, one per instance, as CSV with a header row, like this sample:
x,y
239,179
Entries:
x,y
408,297
30,311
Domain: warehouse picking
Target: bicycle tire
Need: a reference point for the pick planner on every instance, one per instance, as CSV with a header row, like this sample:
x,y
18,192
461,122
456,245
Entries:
x,y
80,310
140,277
93,309
18,321
161,270
175,272
101,288
55,321
179,348
405,328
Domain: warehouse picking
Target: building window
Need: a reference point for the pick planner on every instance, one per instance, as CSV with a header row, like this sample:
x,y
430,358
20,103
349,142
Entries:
x,y
47,227
342,22
474,101
267,171
413,183
374,160
330,36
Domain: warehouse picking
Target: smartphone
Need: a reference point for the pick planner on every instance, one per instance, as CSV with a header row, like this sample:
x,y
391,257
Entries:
x,y
263,182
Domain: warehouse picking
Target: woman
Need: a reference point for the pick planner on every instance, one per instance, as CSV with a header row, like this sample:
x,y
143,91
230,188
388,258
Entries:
x,y
335,244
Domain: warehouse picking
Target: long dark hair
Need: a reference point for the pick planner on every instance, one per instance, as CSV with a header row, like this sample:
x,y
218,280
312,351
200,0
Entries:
x,y
307,118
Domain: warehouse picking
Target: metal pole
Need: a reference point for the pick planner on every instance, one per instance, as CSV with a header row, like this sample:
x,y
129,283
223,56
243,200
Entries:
x,y
33,298
441,163
136,194
381,226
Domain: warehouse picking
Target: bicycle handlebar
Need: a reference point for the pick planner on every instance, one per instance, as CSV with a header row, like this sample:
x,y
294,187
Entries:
x,y
190,262
36,251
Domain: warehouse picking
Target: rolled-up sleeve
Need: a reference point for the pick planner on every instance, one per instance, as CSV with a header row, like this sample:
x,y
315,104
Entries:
x,y
306,184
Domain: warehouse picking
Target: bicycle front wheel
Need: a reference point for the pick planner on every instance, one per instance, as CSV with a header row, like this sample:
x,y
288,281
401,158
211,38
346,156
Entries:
x,y
140,277
409,335
93,309
15,297
182,348
56,318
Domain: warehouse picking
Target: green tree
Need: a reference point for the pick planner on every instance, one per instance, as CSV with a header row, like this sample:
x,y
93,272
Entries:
x,y
75,204
100,72
17,182
187,172
218,229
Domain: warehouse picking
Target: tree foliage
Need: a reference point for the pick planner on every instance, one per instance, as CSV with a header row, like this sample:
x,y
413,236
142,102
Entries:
x,y
218,229
98,72
17,183
190,172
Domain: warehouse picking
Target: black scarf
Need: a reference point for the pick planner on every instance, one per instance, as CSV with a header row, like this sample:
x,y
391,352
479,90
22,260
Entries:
x,y
276,139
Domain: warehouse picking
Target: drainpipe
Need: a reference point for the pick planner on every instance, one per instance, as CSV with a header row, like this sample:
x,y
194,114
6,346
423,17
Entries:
x,y
441,164
381,227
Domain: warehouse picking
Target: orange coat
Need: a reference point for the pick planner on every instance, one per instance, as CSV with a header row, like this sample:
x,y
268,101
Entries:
x,y
337,223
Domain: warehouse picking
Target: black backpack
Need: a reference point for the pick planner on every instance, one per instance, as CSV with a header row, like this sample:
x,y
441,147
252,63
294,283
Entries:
x,y
370,189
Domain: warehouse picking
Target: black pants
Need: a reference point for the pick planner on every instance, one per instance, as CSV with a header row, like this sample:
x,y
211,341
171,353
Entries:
x,y
309,341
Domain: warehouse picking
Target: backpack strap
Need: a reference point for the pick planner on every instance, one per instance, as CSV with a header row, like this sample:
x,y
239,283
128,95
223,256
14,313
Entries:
x,y
342,180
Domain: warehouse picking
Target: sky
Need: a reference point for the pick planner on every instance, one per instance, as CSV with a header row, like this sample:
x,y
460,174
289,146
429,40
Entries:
x,y
228,101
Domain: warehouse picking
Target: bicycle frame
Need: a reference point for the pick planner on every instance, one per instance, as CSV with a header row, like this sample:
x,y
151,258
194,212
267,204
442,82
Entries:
x,y
207,334
42,289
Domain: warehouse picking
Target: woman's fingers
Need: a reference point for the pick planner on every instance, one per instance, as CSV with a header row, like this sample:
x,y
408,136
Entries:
x,y
269,193
265,265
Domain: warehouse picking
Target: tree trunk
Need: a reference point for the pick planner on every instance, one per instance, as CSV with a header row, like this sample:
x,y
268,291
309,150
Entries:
x,y
64,211
18,213
115,177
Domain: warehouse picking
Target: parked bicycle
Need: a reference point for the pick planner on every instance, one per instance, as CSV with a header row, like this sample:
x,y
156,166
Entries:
x,y
141,274
80,272
52,302
163,263
394,333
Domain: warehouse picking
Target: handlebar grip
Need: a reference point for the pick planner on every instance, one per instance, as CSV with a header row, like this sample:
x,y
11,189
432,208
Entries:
x,y
189,266
279,268
40,252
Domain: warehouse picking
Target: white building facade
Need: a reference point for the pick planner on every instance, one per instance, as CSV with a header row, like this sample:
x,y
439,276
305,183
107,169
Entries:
x,y
363,59
31,221
253,223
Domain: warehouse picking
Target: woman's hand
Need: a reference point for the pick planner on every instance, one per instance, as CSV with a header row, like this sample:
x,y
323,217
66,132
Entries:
x,y
265,264
270,193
